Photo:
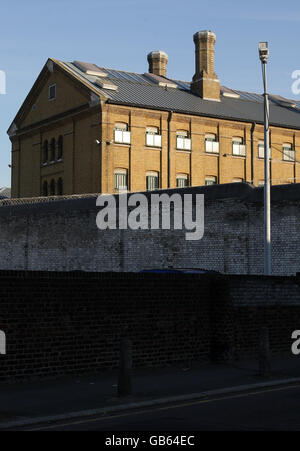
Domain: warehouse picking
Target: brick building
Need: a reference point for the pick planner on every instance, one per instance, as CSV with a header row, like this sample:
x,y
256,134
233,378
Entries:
x,y
87,129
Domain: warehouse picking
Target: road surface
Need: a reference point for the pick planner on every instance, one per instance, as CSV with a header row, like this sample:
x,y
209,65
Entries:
x,y
270,409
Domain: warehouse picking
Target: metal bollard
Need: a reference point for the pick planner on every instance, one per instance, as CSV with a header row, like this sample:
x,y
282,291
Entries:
x,y
264,353
125,369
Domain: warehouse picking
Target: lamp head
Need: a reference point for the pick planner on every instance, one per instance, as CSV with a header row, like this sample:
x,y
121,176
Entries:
x,y
263,50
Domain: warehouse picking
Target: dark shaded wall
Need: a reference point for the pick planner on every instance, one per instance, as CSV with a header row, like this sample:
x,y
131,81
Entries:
x,y
60,324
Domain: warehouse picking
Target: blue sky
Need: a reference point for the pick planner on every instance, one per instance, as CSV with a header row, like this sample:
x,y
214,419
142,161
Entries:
x,y
120,33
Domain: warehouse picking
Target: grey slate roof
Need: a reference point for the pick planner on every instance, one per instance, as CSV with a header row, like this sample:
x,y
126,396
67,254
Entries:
x,y
138,90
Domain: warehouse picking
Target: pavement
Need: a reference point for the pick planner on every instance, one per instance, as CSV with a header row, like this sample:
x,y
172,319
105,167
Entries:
x,y
38,402
267,409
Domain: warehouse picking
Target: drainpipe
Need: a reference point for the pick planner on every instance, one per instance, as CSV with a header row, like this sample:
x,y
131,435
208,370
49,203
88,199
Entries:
x,y
252,151
169,147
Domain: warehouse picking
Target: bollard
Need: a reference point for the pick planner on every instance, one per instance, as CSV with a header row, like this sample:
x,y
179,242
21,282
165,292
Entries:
x,y
264,353
125,369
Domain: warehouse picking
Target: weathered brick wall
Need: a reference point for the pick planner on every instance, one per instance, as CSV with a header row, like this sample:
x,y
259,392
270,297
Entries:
x,y
60,324
258,301
62,235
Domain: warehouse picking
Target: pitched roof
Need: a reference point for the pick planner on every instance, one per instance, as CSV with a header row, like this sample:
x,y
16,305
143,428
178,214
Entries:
x,y
145,90
5,193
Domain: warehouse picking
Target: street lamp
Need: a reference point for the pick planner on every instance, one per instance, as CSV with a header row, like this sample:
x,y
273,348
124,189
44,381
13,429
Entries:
x,y
264,55
264,342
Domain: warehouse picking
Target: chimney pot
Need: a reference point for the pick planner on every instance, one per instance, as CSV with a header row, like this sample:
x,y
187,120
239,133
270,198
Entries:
x,y
158,61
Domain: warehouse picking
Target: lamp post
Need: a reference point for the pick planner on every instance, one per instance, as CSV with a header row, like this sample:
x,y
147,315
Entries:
x,y
264,342
264,55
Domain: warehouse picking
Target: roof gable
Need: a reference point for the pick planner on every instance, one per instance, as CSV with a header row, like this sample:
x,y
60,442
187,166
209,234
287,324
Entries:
x,y
70,93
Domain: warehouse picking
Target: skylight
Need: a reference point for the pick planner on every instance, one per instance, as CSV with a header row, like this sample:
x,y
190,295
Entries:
x,y
160,81
89,69
106,84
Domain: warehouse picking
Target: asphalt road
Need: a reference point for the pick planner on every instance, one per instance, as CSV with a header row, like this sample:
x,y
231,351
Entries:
x,y
264,410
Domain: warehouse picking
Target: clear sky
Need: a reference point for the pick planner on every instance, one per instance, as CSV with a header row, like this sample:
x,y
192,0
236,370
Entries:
x,y
119,34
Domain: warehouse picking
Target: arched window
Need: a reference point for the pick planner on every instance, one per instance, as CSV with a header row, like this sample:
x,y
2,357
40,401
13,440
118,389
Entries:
x,y
60,144
52,149
121,179
237,180
183,141
288,152
261,150
211,180
211,144
182,180
52,188
152,180
153,138
122,135
211,137
45,152
60,187
238,147
45,188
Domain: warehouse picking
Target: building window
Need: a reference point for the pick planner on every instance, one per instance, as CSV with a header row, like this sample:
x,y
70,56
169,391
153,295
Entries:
x,y
237,180
288,152
122,135
121,179
45,189
211,180
52,188
52,92
238,147
182,180
45,152
52,150
60,144
153,138
183,141
211,144
60,187
261,150
152,181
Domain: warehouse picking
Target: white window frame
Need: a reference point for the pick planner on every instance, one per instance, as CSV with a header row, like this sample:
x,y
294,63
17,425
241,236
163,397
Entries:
x,y
121,173
261,150
153,138
211,180
182,178
238,180
238,148
153,175
121,133
288,153
52,150
211,144
50,98
183,142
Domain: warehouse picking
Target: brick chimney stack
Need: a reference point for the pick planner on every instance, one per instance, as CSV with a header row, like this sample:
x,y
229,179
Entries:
x,y
158,61
205,81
